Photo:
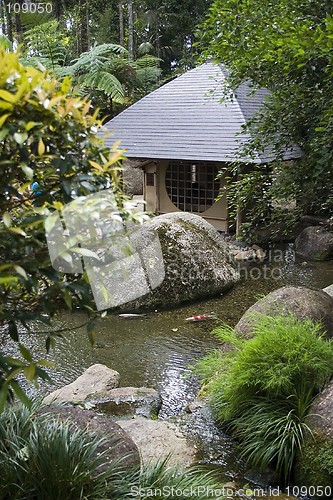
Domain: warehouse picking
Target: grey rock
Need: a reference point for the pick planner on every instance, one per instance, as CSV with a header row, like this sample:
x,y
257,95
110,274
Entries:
x,y
321,412
119,445
96,381
304,303
315,243
131,401
245,255
132,177
197,261
156,439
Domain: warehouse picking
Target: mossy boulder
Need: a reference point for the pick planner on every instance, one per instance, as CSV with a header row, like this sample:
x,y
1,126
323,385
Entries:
x,y
305,303
196,259
314,466
315,243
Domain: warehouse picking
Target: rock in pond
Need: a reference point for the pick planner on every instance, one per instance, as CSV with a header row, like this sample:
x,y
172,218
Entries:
x,y
304,303
157,439
315,243
118,445
197,261
125,401
95,382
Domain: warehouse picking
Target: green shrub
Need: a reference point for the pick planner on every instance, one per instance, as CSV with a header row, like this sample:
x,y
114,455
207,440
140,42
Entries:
x,y
48,136
42,458
262,388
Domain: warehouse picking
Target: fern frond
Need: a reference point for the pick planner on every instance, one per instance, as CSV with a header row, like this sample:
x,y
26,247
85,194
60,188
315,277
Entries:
x,y
105,82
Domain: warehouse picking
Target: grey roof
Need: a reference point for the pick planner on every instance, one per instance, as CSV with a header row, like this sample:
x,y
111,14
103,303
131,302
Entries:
x,y
186,120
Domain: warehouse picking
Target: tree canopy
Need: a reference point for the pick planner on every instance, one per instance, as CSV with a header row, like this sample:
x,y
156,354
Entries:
x,y
286,46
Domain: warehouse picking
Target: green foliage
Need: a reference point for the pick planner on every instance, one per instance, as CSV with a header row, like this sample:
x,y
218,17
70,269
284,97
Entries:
x,y
47,136
95,69
262,196
285,46
47,44
314,464
41,457
262,388
44,458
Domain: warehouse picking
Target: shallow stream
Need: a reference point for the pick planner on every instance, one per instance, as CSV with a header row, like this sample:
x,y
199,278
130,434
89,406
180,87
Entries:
x,y
157,350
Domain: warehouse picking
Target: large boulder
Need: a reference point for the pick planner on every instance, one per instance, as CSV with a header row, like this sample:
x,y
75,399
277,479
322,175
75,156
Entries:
x,y
133,401
321,413
304,303
315,243
313,466
95,382
197,261
118,445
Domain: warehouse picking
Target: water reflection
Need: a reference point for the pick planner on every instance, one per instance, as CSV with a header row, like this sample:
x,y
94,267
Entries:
x,y
156,350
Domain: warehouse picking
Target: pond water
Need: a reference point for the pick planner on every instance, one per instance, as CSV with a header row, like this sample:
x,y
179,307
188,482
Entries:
x,y
157,350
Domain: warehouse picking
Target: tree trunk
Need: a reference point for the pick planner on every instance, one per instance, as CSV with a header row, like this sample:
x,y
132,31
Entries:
x,y
130,29
157,32
57,7
121,23
84,26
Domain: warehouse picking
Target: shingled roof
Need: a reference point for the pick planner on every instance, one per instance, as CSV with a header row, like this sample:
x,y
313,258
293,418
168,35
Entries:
x,y
186,120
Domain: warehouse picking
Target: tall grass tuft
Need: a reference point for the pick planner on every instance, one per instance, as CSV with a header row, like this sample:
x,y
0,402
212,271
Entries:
x,y
262,388
42,458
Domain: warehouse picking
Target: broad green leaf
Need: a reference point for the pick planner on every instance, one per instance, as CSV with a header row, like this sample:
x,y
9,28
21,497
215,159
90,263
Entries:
x,y
3,118
21,394
7,96
21,271
85,252
27,170
14,361
30,125
7,219
12,330
18,230
44,362
41,147
20,137
3,133
13,374
8,279
25,353
30,372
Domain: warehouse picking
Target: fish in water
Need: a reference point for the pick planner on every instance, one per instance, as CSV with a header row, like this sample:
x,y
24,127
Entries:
x,y
201,317
131,316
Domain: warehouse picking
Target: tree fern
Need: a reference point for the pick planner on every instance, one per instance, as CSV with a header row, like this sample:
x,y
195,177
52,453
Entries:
x,y
47,43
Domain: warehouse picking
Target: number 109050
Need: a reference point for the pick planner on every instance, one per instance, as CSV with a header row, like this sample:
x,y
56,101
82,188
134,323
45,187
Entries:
x,y
30,7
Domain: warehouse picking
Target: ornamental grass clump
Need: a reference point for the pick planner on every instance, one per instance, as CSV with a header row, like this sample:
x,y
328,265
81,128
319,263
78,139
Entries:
x,y
42,458
262,388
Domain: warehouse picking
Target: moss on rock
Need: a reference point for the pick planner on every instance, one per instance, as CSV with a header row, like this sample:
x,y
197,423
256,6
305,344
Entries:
x,y
314,466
